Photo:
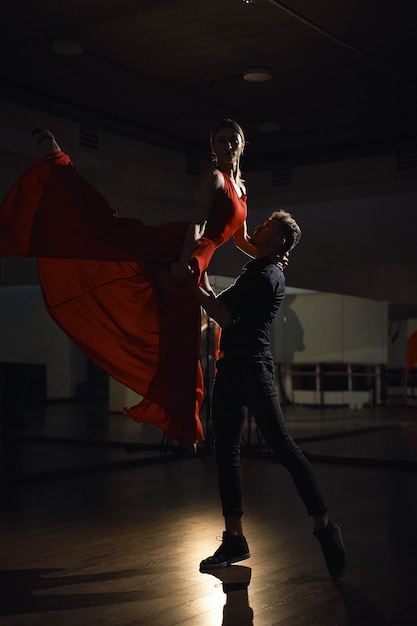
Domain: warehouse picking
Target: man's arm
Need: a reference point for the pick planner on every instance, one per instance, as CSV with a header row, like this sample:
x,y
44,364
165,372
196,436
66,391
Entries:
x,y
206,297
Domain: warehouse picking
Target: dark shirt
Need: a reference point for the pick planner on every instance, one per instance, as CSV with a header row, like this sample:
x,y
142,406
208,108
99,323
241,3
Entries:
x,y
253,301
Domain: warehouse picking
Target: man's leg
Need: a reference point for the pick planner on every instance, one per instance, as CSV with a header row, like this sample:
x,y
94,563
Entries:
x,y
228,419
263,402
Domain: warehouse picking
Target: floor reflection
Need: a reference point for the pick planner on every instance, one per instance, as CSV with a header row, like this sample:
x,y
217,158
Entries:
x,y
235,579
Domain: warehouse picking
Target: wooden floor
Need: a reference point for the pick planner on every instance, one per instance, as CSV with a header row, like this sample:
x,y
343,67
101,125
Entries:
x,y
103,524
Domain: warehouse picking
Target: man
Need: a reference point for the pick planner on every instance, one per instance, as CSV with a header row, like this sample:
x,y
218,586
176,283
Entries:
x,y
245,379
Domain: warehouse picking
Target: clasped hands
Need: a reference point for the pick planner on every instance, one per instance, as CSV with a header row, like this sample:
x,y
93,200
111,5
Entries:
x,y
188,275
184,271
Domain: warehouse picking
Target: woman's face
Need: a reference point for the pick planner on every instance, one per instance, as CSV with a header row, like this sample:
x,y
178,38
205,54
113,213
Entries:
x,y
227,146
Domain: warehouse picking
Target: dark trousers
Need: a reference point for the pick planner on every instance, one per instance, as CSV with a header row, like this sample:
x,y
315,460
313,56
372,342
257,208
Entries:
x,y
248,383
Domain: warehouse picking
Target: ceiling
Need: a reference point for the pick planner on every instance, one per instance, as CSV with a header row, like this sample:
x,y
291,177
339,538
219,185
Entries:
x,y
344,72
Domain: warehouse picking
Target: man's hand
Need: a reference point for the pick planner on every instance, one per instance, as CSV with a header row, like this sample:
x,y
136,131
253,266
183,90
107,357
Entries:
x,y
205,283
183,271
283,261
205,295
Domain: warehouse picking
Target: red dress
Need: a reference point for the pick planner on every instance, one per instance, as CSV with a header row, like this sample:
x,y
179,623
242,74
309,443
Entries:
x,y
97,277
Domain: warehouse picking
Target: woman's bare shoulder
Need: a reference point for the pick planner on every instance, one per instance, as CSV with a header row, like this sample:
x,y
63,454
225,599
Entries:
x,y
213,178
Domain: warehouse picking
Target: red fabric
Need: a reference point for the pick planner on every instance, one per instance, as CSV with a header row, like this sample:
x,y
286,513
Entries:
x,y
412,351
19,208
102,288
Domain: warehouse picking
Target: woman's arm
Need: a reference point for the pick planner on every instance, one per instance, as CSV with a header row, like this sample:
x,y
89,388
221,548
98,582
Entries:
x,y
242,240
210,183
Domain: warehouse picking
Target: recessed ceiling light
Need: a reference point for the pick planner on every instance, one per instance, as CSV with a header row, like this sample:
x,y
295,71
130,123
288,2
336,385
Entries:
x,y
67,47
257,74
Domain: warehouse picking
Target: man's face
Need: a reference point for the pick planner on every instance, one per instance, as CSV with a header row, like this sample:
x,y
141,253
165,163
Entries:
x,y
269,234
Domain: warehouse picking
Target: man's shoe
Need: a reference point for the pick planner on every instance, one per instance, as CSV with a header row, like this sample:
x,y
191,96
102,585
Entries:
x,y
331,542
234,548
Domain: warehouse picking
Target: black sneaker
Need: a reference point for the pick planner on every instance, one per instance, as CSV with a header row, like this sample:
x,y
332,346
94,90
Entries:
x,y
233,548
331,542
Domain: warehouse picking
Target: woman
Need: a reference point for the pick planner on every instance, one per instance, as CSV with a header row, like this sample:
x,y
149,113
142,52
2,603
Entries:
x,y
213,221
106,280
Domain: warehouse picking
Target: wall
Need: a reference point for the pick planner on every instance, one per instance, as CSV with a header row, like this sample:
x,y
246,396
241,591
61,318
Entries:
x,y
324,327
29,335
343,342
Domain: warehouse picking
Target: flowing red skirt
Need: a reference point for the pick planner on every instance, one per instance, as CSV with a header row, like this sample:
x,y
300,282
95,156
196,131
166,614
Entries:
x,y
102,287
